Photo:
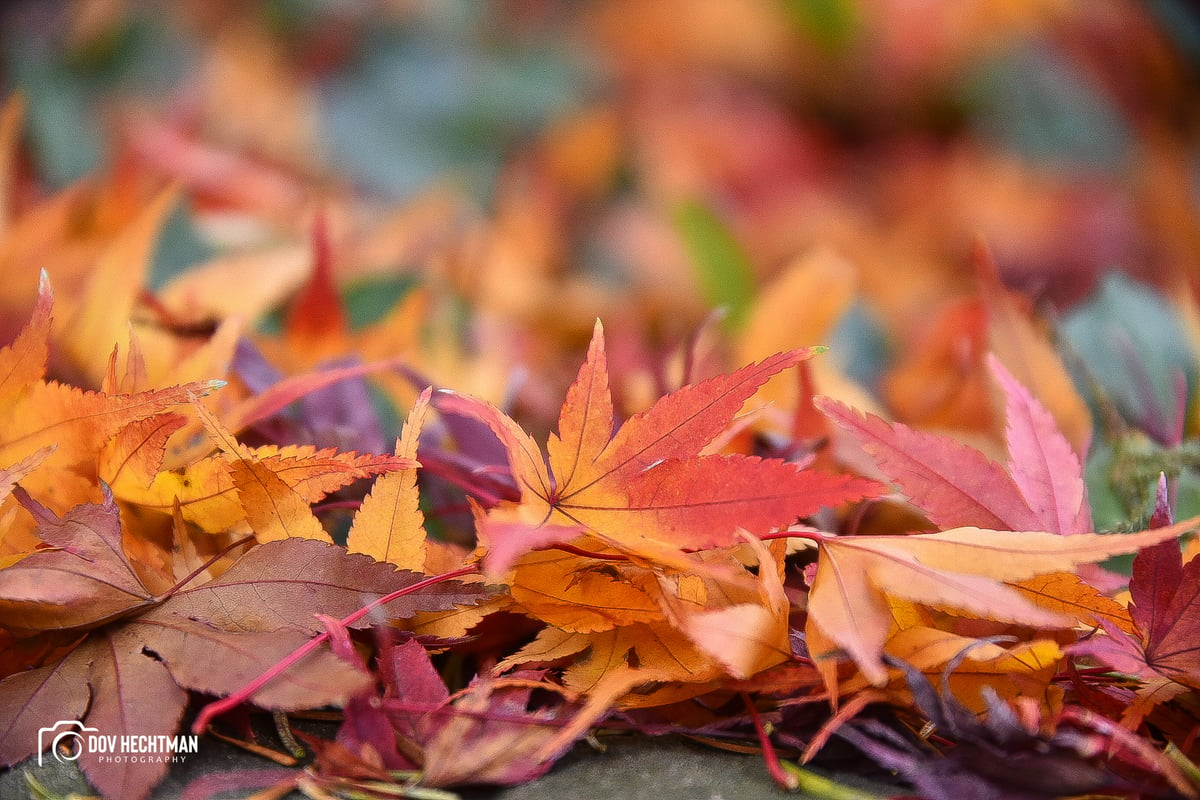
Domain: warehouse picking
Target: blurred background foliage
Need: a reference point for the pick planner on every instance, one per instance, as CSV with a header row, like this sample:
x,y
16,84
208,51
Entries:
x,y
818,169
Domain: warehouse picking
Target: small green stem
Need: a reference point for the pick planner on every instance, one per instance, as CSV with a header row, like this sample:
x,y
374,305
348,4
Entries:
x,y
817,786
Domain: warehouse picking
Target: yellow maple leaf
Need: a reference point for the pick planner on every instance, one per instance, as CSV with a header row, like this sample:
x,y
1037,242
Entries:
x,y
276,486
389,525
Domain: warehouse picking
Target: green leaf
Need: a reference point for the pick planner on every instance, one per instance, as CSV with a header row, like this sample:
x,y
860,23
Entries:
x,y
1135,346
722,267
370,300
831,24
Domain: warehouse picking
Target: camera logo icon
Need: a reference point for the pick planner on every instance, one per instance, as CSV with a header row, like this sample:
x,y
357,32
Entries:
x,y
64,739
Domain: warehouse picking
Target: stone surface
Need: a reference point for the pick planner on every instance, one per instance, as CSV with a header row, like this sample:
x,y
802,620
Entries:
x,y
664,768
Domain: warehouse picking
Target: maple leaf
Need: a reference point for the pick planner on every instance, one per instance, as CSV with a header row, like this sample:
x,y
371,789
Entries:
x,y
389,525
23,362
1162,648
145,650
665,651
270,488
956,485
649,491
10,476
78,422
706,631
85,581
316,318
1040,488
77,425
747,634
277,393
136,453
962,568
1069,594
335,400
648,485
1043,465
222,491
938,380
953,484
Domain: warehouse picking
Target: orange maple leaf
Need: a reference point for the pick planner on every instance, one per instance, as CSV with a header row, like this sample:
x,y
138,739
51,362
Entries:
x,y
649,489
649,587
80,435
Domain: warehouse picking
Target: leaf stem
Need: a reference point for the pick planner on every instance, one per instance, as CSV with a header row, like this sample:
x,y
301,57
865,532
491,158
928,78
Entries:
x,y
434,465
819,786
194,573
782,777
219,707
285,734
811,535
579,551
333,505
397,706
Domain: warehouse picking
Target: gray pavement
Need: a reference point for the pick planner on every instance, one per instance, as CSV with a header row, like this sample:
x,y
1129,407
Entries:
x,y
662,768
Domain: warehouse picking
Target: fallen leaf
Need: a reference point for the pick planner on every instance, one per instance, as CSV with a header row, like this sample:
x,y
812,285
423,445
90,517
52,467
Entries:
x,y
389,525
85,581
23,362
316,317
1069,594
1041,461
274,487
1165,607
973,668
11,476
939,380
79,423
955,485
577,593
996,759
100,321
747,638
962,568
492,732
213,637
647,485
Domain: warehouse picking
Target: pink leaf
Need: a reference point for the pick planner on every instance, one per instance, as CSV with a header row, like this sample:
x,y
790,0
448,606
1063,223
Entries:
x,y
1041,460
955,485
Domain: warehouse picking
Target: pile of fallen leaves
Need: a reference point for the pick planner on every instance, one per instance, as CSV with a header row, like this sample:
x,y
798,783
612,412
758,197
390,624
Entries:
x,y
383,463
